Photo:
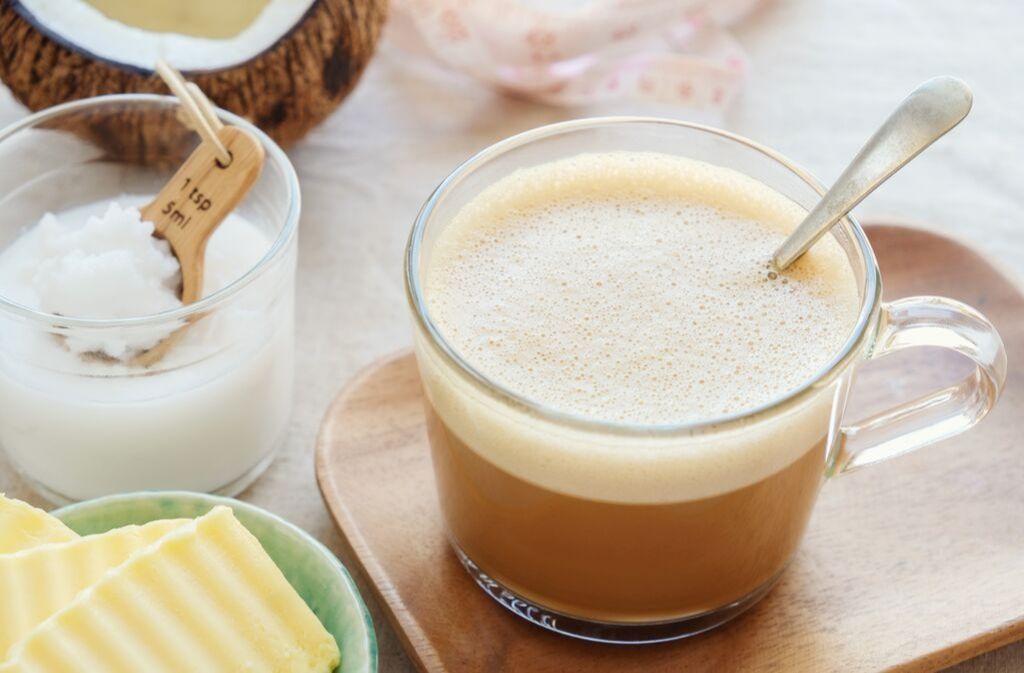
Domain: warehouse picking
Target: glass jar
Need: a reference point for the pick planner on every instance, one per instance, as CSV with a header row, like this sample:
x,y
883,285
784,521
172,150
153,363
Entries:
x,y
210,414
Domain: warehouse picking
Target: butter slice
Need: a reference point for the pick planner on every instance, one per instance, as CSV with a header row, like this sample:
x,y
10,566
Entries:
x,y
22,526
206,597
36,583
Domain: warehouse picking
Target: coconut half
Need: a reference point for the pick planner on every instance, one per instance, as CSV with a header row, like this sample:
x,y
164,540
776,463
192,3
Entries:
x,y
189,34
283,64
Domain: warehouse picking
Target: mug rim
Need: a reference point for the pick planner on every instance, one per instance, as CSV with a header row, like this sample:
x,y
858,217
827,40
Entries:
x,y
870,301
187,311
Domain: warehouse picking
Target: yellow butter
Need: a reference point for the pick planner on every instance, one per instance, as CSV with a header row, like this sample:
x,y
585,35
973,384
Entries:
x,y
36,583
22,526
205,597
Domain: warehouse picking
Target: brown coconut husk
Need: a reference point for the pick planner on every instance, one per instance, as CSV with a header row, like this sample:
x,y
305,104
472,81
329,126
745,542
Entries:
x,y
285,90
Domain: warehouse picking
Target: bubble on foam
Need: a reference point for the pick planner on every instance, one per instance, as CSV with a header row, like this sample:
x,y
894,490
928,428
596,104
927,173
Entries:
x,y
633,287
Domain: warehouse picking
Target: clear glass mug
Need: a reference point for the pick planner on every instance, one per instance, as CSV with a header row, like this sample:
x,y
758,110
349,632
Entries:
x,y
209,415
598,529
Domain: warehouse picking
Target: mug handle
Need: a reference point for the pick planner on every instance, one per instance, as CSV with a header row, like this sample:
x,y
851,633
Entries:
x,y
928,321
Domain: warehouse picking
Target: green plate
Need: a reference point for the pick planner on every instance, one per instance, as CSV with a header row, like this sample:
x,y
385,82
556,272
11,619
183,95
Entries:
x,y
314,571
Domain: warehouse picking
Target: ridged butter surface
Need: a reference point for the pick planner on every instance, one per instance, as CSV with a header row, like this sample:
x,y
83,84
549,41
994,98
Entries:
x,y
36,583
205,598
23,526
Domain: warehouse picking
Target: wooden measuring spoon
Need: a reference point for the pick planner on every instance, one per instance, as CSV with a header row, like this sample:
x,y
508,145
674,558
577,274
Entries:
x,y
192,204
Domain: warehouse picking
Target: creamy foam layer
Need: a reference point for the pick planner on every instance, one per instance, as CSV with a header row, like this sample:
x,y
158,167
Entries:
x,y
633,287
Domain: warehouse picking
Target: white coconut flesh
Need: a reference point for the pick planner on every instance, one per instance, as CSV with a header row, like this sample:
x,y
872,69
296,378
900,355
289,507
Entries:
x,y
188,34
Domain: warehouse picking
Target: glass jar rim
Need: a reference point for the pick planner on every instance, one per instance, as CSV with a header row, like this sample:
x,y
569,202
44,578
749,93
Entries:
x,y
187,311
870,301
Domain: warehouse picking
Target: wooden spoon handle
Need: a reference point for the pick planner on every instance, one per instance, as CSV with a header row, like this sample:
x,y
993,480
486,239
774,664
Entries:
x,y
191,205
199,196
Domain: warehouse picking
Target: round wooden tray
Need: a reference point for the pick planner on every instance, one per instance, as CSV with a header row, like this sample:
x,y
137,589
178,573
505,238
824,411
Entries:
x,y
913,565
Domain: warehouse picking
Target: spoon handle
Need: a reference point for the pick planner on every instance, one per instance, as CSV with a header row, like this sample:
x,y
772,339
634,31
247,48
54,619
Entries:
x,y
923,117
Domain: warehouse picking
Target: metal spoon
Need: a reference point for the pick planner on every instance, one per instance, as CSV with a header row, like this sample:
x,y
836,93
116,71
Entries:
x,y
923,117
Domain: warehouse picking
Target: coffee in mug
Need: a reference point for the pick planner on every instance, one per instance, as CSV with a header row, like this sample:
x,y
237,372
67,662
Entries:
x,y
630,411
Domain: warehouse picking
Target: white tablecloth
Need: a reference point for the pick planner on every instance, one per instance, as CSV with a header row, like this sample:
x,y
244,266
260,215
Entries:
x,y
824,74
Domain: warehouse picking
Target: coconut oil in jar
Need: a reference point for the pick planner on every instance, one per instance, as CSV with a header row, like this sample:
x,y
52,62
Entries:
x,y
87,288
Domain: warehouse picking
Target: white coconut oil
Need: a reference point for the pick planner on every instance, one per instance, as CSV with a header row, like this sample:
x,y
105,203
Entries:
x,y
79,418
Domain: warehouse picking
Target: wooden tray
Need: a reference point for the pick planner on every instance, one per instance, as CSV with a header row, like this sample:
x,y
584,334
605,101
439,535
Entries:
x,y
912,565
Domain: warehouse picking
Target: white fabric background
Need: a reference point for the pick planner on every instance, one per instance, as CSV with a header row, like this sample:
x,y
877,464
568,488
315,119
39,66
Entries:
x,y
824,74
